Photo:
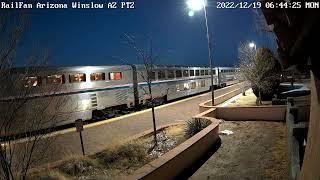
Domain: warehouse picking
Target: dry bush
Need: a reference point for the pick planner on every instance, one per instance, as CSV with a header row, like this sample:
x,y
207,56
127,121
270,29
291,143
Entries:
x,y
196,125
123,157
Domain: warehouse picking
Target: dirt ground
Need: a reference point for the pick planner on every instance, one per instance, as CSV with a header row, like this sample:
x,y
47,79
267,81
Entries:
x,y
256,150
248,100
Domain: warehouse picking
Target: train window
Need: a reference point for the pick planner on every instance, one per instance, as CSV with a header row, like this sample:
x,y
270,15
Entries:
x,y
161,74
32,81
206,72
202,72
191,72
185,73
153,76
186,86
97,76
170,74
203,83
178,87
193,85
80,77
197,73
178,73
115,75
55,79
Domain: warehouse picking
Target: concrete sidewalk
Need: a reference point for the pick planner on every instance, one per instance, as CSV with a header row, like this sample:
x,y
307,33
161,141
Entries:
x,y
98,137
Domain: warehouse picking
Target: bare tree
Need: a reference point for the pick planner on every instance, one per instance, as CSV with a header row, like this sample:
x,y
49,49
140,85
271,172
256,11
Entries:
x,y
148,59
260,68
22,115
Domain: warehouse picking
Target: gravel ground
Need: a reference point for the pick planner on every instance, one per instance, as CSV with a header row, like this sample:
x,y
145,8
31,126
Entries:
x,y
256,150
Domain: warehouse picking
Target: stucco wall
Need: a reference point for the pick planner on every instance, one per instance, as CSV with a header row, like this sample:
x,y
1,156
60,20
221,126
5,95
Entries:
x,y
267,113
173,163
311,163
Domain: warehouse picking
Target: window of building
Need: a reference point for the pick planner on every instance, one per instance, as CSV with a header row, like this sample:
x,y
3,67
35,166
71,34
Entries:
x,y
206,72
202,72
97,76
191,72
32,81
115,76
178,73
193,85
185,73
80,77
214,72
161,74
170,74
203,83
197,73
55,79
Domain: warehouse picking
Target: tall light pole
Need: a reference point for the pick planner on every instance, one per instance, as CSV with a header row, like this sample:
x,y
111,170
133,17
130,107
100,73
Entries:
x,y
196,5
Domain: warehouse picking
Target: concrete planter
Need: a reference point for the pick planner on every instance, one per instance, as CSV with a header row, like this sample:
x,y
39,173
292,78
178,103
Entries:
x,y
173,163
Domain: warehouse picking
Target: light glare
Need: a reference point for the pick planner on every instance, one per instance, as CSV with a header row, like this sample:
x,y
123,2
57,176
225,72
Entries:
x,y
196,5
251,44
191,13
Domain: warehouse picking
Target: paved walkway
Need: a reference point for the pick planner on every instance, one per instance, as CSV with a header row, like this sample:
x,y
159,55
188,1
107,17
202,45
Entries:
x,y
98,137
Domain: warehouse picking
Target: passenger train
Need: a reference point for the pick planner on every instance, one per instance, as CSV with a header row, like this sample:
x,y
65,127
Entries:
x,y
76,92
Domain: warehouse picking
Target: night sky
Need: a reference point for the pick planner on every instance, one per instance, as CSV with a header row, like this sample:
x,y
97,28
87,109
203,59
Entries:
x,y
93,37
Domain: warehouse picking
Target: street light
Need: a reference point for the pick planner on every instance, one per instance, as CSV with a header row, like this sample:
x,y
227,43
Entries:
x,y
196,5
253,45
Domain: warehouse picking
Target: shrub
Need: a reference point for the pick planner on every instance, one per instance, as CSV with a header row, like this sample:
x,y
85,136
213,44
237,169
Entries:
x,y
123,156
78,166
47,175
196,125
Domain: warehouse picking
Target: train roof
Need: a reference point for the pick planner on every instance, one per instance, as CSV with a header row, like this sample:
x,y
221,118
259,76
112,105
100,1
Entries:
x,y
97,67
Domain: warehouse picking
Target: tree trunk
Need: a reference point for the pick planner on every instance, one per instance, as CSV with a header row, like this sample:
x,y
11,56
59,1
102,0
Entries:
x,y
260,103
243,90
153,115
154,126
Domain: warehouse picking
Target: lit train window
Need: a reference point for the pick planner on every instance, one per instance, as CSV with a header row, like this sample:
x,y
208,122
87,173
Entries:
x,y
32,81
80,77
197,73
185,73
170,74
202,72
97,76
178,73
55,79
161,75
191,72
115,76
186,86
206,72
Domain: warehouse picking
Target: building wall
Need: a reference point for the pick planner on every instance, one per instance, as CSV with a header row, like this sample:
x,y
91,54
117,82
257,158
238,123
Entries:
x,y
311,163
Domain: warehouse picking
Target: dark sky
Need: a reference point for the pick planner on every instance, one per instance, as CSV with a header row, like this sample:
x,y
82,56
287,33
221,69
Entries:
x,y
93,37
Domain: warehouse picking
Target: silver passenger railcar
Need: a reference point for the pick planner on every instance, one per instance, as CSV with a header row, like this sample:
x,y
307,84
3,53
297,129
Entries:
x,y
71,93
